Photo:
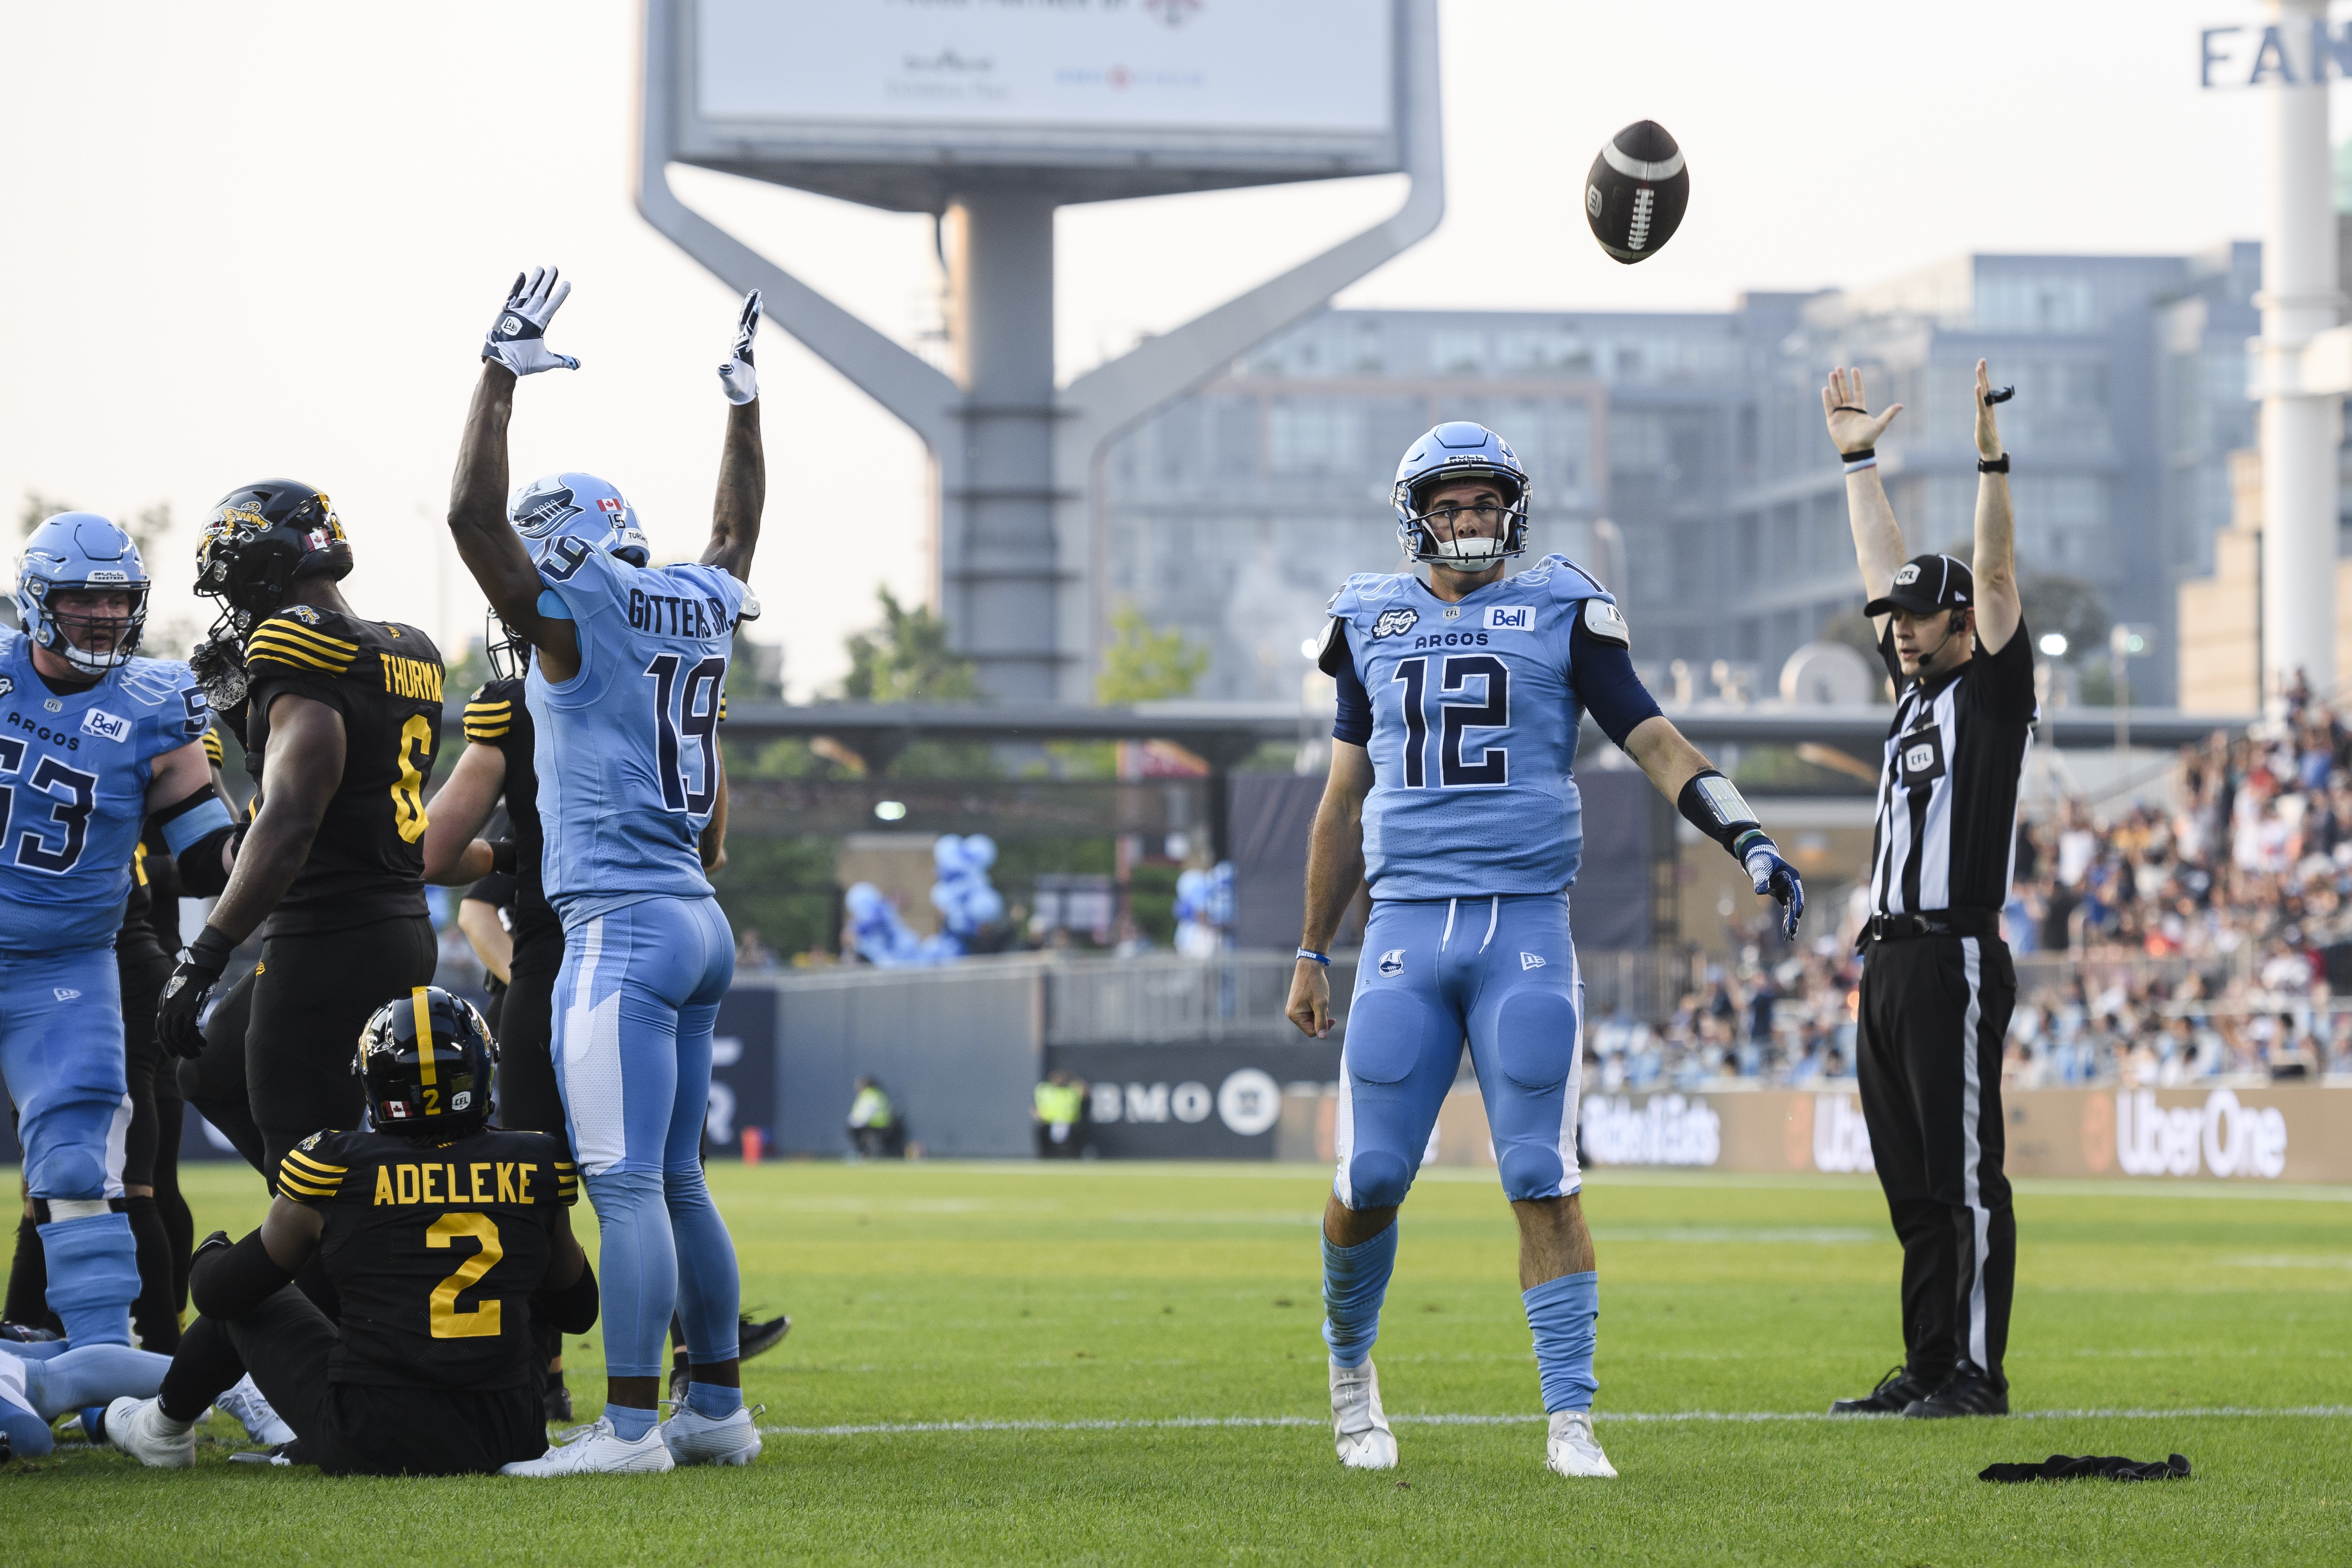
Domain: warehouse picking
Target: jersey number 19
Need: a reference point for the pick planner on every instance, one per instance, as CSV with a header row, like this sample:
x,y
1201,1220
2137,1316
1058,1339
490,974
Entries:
x,y
686,714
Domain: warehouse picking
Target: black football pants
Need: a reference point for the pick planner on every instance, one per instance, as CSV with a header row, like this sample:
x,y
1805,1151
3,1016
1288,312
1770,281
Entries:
x,y
528,1101
349,1429
1933,1012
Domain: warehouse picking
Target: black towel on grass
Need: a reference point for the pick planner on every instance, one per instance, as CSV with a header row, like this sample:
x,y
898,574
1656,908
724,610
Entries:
x,y
2066,1468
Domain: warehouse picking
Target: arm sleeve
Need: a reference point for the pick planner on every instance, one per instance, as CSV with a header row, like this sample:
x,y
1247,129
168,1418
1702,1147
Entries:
x,y
571,1309
1606,684
1354,724
1886,655
2007,691
497,889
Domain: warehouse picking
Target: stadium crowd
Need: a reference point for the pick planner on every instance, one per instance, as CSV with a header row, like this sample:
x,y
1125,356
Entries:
x,y
2155,947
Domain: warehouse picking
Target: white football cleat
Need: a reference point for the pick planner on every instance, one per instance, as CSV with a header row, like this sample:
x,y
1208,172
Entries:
x,y
141,1430
251,1407
1572,1450
694,1438
1358,1424
601,1452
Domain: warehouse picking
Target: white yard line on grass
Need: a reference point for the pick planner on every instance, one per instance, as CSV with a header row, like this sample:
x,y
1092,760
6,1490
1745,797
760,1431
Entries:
x,y
893,1428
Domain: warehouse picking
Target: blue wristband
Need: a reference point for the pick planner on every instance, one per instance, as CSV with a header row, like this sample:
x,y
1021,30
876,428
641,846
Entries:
x,y
1313,957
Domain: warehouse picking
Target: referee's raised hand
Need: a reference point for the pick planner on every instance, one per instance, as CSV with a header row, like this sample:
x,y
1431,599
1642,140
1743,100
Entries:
x,y
1853,428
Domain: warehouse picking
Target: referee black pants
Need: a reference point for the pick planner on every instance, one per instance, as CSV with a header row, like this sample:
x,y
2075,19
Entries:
x,y
1933,1012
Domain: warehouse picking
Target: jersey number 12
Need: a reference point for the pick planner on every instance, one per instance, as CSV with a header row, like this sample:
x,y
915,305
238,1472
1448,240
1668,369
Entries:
x,y
1454,770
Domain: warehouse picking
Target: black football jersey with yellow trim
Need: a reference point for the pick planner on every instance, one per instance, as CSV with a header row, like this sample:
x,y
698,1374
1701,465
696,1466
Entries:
x,y
368,861
436,1249
495,716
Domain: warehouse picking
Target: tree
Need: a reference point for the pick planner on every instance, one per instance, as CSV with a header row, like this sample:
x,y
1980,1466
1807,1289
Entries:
x,y
1142,665
905,659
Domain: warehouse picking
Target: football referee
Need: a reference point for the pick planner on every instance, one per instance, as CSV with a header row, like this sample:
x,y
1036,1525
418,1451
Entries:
x,y
1937,982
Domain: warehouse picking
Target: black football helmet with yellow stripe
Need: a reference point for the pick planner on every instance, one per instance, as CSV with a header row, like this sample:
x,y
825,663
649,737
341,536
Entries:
x,y
259,539
425,1063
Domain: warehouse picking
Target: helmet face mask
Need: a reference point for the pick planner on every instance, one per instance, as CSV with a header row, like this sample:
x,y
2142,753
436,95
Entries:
x,y
505,648
72,554
257,541
1450,455
577,506
425,1063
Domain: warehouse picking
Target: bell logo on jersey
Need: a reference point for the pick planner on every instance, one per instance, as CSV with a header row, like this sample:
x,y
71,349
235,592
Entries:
x,y
1395,622
105,725
1511,618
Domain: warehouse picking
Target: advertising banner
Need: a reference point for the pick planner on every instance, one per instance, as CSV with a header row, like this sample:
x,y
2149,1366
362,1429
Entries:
x,y
1191,1101
2262,1133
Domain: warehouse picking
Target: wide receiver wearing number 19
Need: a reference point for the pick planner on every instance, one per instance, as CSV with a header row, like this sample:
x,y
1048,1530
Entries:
x,y
1451,793
624,694
92,742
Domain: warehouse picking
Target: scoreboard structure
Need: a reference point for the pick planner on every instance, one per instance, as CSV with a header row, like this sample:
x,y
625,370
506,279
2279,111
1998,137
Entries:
x,y
990,114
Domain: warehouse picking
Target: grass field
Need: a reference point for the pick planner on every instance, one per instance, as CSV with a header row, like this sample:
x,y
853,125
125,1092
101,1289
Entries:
x,y
1120,1362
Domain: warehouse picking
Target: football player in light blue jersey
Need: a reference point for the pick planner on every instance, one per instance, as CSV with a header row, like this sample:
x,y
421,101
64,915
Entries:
x,y
623,691
1452,794
93,740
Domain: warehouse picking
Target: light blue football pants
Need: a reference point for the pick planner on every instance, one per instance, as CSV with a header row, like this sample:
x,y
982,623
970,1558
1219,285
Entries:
x,y
61,1054
635,1007
1501,971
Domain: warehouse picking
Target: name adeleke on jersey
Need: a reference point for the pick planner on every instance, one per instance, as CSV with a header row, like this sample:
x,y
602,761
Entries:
x,y
407,1183
685,618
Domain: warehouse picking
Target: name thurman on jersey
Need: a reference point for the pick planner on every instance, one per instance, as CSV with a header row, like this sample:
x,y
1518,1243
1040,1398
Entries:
x,y
441,1183
416,678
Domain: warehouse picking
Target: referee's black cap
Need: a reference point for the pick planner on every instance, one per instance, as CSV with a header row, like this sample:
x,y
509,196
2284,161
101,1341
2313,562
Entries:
x,y
1926,585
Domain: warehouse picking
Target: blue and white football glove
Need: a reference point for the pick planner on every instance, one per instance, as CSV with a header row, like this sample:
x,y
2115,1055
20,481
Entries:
x,y
737,377
517,340
1774,876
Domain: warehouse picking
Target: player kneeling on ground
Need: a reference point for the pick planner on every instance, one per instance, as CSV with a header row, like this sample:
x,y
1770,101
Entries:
x,y
1452,794
445,1238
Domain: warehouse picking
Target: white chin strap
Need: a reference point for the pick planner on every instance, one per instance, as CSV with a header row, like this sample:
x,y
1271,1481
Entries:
x,y
88,663
1469,555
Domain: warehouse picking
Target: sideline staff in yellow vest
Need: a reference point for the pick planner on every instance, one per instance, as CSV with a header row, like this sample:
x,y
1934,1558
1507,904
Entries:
x,y
1060,1108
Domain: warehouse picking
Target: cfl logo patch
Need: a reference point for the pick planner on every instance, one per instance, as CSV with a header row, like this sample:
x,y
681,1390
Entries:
x,y
1918,759
1531,961
1909,575
1393,961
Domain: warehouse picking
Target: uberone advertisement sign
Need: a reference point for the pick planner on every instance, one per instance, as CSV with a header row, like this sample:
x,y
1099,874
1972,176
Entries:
x,y
2256,1134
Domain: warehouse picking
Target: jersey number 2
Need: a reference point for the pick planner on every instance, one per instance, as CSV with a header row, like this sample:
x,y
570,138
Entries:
x,y
1454,770
72,797
687,713
473,1322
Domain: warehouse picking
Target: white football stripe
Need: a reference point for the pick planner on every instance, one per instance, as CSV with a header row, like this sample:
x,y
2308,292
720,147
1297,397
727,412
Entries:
x,y
1635,169
892,1428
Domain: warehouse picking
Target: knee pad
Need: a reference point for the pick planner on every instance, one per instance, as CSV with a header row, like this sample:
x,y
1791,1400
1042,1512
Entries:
x,y
1377,1178
1530,1171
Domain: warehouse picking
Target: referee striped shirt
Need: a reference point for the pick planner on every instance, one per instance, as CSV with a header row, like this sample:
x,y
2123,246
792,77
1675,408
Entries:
x,y
1947,825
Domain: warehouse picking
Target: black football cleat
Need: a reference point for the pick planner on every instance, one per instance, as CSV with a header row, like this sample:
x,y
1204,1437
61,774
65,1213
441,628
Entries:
x,y
1896,1391
757,1339
1968,1392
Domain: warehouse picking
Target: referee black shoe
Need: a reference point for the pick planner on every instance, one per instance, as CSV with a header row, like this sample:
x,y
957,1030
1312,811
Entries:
x,y
1970,1390
1895,1391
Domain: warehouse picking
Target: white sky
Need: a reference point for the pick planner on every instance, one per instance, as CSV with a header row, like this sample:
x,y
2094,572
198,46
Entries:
x,y
261,239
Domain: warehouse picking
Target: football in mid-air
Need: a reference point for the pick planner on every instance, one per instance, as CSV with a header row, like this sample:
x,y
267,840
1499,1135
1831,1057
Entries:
x,y
1637,190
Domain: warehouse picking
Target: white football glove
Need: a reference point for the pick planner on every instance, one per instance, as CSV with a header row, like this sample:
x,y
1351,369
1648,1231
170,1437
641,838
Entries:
x,y
741,382
517,340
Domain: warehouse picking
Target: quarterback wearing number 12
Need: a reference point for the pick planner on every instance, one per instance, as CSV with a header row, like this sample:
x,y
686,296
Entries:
x,y
1452,795
623,697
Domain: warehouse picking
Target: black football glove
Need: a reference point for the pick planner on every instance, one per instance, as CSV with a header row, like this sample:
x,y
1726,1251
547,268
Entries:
x,y
517,339
201,962
1775,876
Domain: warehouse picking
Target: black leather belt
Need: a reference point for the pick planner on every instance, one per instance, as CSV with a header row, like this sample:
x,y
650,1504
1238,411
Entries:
x,y
1931,922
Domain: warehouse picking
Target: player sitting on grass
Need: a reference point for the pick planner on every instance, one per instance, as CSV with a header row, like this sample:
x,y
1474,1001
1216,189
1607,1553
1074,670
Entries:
x,y
1451,793
445,1240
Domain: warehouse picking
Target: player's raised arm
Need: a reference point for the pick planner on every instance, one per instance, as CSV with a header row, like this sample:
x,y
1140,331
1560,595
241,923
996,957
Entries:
x,y
487,543
1999,606
743,465
1877,537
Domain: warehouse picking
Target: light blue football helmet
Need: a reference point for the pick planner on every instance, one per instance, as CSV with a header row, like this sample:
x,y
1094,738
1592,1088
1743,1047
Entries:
x,y
1460,450
577,506
80,550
